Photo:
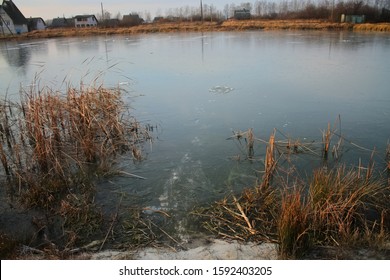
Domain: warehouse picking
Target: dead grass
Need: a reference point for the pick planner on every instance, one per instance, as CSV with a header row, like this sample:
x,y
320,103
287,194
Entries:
x,y
251,216
54,145
293,223
233,25
336,208
340,211
270,161
229,25
378,27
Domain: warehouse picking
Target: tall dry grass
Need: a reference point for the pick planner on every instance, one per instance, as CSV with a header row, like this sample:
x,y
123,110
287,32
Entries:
x,y
250,216
54,141
270,161
326,138
53,147
335,207
332,209
376,27
293,223
237,25
228,25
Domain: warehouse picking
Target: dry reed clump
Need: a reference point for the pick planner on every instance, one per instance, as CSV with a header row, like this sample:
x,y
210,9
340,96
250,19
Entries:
x,y
134,230
381,27
53,146
59,138
270,161
251,216
293,223
250,143
327,136
335,208
249,139
281,25
80,217
346,208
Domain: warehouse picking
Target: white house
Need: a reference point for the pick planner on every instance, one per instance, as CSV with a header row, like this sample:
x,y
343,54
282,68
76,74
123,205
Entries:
x,y
12,21
36,24
85,21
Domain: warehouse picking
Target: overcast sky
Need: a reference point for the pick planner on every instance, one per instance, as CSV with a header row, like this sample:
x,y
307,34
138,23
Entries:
x,y
48,9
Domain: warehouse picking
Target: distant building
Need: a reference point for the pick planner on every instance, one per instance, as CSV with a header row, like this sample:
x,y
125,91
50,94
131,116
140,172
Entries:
x,y
62,22
36,24
385,15
353,18
172,19
12,21
85,21
158,19
132,20
242,14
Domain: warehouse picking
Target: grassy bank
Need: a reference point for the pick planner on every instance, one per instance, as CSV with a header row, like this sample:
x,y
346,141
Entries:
x,y
229,25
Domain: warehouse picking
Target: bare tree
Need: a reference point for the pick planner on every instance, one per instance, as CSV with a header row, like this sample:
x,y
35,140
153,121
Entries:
x,y
226,11
247,6
147,16
105,16
118,16
257,8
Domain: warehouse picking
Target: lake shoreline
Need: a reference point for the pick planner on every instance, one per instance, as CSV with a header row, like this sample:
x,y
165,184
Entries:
x,y
211,248
229,25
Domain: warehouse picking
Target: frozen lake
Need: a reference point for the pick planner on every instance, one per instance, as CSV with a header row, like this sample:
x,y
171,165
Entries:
x,y
197,88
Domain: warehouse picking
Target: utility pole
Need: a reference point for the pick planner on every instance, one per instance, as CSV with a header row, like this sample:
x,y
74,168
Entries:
x,y
332,12
101,4
201,11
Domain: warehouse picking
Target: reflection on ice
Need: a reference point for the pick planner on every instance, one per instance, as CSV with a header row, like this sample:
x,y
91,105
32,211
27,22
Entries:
x,y
221,89
186,182
196,141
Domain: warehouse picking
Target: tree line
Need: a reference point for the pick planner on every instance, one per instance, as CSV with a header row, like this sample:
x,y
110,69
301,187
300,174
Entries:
x,y
374,10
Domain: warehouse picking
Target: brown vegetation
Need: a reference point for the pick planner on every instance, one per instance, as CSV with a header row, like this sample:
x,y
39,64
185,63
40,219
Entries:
x,y
229,25
336,208
233,25
54,145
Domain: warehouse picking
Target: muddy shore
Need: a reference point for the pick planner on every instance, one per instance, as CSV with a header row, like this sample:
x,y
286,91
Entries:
x,y
199,249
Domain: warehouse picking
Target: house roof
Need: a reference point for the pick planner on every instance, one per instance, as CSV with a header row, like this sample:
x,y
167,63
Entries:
x,y
242,11
86,16
13,12
62,22
36,20
131,16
